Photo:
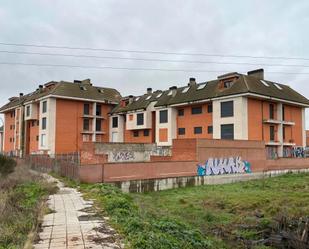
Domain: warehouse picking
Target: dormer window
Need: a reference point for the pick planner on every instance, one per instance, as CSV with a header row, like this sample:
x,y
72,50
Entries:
x,y
137,99
185,90
201,86
279,87
100,90
265,83
159,95
83,88
227,84
170,93
148,97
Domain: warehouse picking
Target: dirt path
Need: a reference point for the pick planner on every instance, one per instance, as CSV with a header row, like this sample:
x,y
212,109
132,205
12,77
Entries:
x,y
73,224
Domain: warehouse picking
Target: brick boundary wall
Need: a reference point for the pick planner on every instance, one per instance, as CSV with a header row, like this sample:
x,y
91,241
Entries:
x,y
186,155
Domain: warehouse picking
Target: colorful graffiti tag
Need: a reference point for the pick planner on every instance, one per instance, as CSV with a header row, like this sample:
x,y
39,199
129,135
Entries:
x,y
220,166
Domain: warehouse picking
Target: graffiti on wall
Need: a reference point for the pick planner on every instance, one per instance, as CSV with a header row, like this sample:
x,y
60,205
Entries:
x,y
121,156
298,152
220,166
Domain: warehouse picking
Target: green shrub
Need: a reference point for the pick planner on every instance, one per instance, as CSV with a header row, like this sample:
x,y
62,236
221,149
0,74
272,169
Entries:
x,y
7,165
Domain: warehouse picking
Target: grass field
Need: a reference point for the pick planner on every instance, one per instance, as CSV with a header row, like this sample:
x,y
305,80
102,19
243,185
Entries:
x,y
22,195
220,216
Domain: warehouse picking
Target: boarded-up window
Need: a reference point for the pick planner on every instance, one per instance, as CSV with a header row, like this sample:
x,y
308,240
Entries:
x,y
163,135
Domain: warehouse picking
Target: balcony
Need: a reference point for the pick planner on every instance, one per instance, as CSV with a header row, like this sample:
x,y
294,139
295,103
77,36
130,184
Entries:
x,y
288,122
100,132
87,132
271,121
275,121
90,116
273,143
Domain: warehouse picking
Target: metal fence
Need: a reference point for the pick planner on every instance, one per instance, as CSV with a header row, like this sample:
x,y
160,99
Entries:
x,y
63,164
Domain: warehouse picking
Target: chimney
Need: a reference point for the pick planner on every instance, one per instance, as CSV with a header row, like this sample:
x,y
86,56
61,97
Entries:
x,y
258,73
174,90
21,94
77,81
40,88
192,82
149,90
131,98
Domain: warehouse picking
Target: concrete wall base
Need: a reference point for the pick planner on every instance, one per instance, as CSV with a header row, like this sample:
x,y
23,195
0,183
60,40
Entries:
x,y
140,186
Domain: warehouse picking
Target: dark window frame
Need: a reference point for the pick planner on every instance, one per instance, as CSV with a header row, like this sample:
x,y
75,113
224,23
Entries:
x,y
272,133
87,110
163,116
86,124
283,113
44,106
28,111
210,129
114,122
98,125
271,111
44,123
146,133
181,112
140,119
227,109
228,136
135,133
283,132
196,110
198,130
181,131
209,108
98,110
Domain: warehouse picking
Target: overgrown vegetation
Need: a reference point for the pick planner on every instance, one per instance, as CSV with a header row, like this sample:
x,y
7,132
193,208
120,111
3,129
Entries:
x,y
7,165
239,215
21,196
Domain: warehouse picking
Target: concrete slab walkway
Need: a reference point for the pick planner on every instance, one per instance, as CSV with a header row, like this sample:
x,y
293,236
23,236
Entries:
x,y
73,224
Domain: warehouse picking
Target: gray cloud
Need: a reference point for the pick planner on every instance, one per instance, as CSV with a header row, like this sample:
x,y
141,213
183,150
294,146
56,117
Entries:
x,y
265,28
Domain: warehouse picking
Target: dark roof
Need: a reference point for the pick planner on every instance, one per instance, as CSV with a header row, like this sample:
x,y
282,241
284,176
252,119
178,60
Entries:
x,y
244,84
69,89
211,89
139,102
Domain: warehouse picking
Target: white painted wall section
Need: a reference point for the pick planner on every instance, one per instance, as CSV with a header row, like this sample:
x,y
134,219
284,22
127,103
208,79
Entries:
x,y
171,126
240,118
50,132
116,135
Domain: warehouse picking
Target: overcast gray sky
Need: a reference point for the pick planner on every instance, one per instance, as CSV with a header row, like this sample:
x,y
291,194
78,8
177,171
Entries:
x,y
256,28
